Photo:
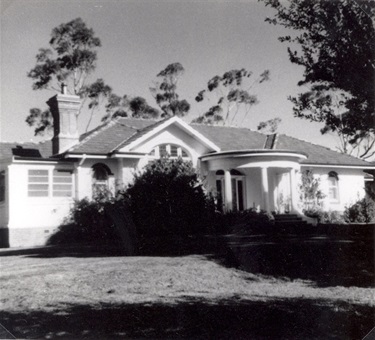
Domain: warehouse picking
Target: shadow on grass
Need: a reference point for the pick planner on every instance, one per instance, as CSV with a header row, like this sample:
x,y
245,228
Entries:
x,y
292,319
326,261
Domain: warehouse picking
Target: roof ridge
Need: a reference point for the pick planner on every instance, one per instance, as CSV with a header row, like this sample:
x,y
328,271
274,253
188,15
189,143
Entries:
x,y
142,119
228,127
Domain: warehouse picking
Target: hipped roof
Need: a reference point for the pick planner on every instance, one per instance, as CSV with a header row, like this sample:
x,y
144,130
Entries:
x,y
114,135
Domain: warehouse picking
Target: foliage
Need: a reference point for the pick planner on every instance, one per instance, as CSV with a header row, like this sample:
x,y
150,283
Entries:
x,y
70,60
244,221
41,120
331,217
164,92
309,189
87,222
136,107
232,91
167,198
269,126
363,211
314,211
336,49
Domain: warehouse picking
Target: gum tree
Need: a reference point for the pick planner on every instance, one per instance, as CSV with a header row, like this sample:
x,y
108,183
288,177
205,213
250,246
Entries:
x,y
334,42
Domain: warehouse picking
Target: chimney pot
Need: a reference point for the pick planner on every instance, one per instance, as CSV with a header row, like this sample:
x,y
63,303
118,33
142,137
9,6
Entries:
x,y
63,88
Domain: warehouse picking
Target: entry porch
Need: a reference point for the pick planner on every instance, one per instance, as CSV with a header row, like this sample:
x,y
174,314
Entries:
x,y
254,179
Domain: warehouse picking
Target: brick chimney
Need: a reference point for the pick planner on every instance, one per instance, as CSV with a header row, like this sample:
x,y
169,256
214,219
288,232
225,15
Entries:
x,y
64,109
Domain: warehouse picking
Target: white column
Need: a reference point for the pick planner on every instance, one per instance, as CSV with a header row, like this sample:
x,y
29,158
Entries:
x,y
228,190
293,190
265,191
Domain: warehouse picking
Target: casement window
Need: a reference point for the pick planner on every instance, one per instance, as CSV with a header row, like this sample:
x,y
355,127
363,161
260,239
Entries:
x,y
62,183
333,187
38,183
50,183
2,186
238,195
171,150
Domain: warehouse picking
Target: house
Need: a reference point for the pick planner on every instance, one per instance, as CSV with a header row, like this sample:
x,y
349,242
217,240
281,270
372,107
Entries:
x,y
246,169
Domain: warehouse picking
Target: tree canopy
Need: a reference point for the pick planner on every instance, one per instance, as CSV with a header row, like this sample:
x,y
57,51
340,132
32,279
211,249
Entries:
x,y
165,93
230,94
135,107
334,42
70,60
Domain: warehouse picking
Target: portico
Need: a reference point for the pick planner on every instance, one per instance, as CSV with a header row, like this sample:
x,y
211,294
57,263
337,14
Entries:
x,y
260,179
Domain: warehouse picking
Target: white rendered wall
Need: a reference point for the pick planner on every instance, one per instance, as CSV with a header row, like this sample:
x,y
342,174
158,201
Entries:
x,y
350,184
31,212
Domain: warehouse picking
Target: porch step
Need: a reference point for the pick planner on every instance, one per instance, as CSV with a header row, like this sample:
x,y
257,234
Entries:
x,y
290,223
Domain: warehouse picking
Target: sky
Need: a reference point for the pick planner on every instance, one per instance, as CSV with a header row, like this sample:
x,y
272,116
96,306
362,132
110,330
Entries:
x,y
139,39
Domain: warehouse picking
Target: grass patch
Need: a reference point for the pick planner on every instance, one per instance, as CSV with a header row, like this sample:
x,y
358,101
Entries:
x,y
191,296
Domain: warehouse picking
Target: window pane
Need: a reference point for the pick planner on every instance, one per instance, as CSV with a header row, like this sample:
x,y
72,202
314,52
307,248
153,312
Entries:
x,y
62,183
35,179
38,193
163,150
38,185
174,151
38,173
62,187
62,193
184,153
43,187
62,180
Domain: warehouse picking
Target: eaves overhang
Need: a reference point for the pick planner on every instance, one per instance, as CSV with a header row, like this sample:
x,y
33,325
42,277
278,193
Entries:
x,y
19,159
115,154
339,166
253,153
118,154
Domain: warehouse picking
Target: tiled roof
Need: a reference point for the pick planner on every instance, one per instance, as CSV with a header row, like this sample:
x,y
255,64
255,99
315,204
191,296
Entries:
x,y
122,131
232,138
35,150
317,154
108,137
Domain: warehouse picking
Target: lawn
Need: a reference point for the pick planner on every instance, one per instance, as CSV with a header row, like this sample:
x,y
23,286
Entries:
x,y
168,297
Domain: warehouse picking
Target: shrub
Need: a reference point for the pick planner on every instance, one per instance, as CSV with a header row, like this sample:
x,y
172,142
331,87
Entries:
x,y
168,199
309,189
242,221
331,217
87,222
314,212
363,211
